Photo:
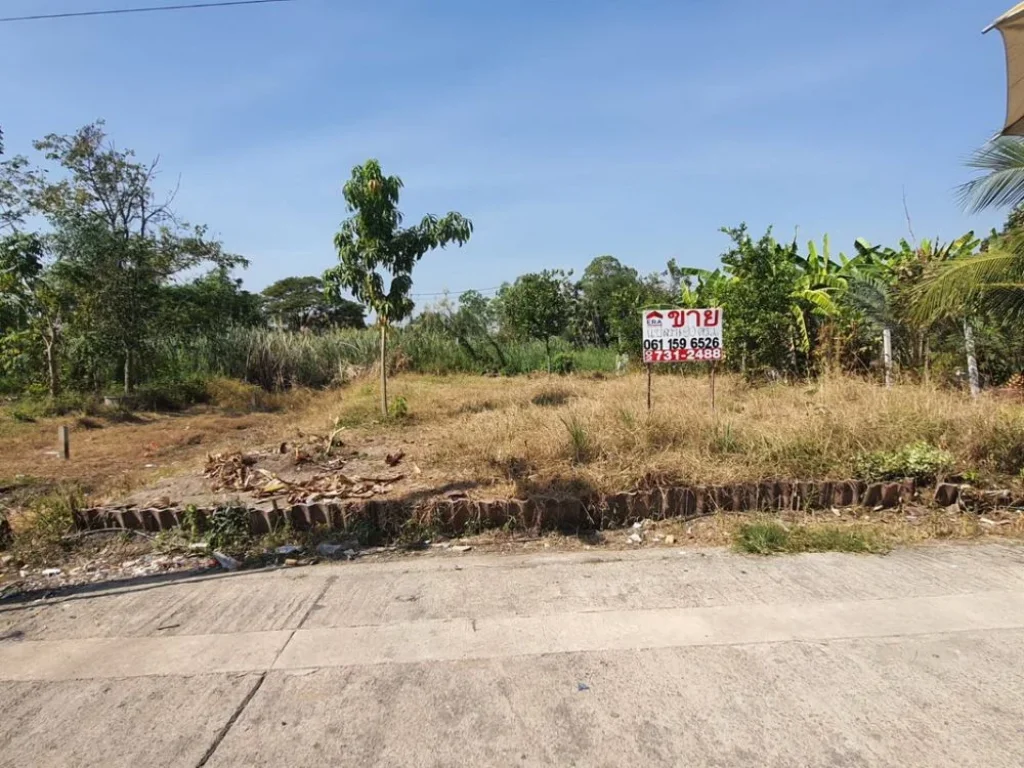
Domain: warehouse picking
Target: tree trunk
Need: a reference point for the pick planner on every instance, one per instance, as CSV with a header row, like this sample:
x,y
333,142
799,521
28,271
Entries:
x,y
972,361
127,371
887,355
384,370
51,368
547,348
927,362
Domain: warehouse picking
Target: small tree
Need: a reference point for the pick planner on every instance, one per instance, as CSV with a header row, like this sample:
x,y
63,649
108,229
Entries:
x,y
372,239
537,306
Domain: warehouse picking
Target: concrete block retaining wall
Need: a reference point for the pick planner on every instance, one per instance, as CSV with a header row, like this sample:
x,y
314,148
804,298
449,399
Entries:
x,y
386,517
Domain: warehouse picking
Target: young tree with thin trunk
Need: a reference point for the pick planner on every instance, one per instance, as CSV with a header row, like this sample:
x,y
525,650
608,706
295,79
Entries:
x,y
373,239
537,306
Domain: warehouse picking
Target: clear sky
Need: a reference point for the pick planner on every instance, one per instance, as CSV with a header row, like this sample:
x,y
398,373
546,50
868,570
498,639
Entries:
x,y
565,130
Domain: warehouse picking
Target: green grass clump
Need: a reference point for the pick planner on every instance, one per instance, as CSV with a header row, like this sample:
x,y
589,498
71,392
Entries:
x,y
920,461
772,538
581,447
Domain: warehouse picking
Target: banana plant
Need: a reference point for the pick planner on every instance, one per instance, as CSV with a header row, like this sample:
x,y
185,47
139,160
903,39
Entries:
x,y
821,283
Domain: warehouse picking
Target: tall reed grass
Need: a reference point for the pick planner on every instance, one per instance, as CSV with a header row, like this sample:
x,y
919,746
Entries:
x,y
278,360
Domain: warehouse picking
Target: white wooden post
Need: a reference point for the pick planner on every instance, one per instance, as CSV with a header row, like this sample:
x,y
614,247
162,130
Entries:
x,y
972,360
887,355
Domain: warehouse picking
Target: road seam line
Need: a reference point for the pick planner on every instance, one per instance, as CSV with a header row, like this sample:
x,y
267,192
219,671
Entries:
x,y
231,721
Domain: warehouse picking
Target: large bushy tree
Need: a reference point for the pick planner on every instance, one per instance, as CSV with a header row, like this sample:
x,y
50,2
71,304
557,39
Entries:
x,y
117,244
304,303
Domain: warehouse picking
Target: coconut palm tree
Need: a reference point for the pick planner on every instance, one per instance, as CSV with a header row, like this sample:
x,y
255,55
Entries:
x,y
992,280
1001,181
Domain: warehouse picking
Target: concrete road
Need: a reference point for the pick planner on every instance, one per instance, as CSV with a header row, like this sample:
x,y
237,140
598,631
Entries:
x,y
651,658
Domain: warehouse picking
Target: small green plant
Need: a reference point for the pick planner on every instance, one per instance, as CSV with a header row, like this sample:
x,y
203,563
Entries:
x,y
724,440
762,538
563,364
581,447
228,528
191,525
920,461
413,531
398,409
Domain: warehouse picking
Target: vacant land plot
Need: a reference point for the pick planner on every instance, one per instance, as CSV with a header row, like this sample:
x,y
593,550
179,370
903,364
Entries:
x,y
509,436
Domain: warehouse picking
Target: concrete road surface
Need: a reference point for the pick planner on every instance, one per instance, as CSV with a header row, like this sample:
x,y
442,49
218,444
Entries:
x,y
650,658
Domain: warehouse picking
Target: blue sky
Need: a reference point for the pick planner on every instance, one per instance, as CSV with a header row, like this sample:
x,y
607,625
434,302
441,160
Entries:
x,y
565,130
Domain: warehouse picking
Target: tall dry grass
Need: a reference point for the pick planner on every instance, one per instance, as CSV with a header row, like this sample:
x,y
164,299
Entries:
x,y
597,432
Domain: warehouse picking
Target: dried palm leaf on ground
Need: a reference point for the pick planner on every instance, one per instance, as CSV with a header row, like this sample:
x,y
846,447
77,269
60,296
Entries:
x,y
230,471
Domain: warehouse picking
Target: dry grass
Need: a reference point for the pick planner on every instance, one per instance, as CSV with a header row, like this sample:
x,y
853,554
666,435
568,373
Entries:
x,y
502,436
596,433
115,453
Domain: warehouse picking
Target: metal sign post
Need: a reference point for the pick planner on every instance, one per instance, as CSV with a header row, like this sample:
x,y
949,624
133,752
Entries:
x,y
714,365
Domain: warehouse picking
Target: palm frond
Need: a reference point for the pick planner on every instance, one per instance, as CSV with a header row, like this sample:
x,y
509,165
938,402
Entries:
x,y
1005,300
953,286
1002,183
872,298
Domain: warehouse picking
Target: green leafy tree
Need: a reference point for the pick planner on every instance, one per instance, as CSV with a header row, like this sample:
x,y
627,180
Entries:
x,y
372,239
119,245
602,287
33,305
207,304
759,288
115,244
991,281
473,323
300,303
537,306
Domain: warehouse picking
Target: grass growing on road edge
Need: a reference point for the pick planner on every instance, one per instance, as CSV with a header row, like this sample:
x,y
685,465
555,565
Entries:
x,y
770,538
39,532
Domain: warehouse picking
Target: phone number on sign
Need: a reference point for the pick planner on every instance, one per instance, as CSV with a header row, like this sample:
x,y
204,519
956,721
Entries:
x,y
680,355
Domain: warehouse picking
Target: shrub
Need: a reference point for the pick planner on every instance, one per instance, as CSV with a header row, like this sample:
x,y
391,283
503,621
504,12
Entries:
x,y
167,395
399,408
228,528
234,394
920,461
40,533
563,364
